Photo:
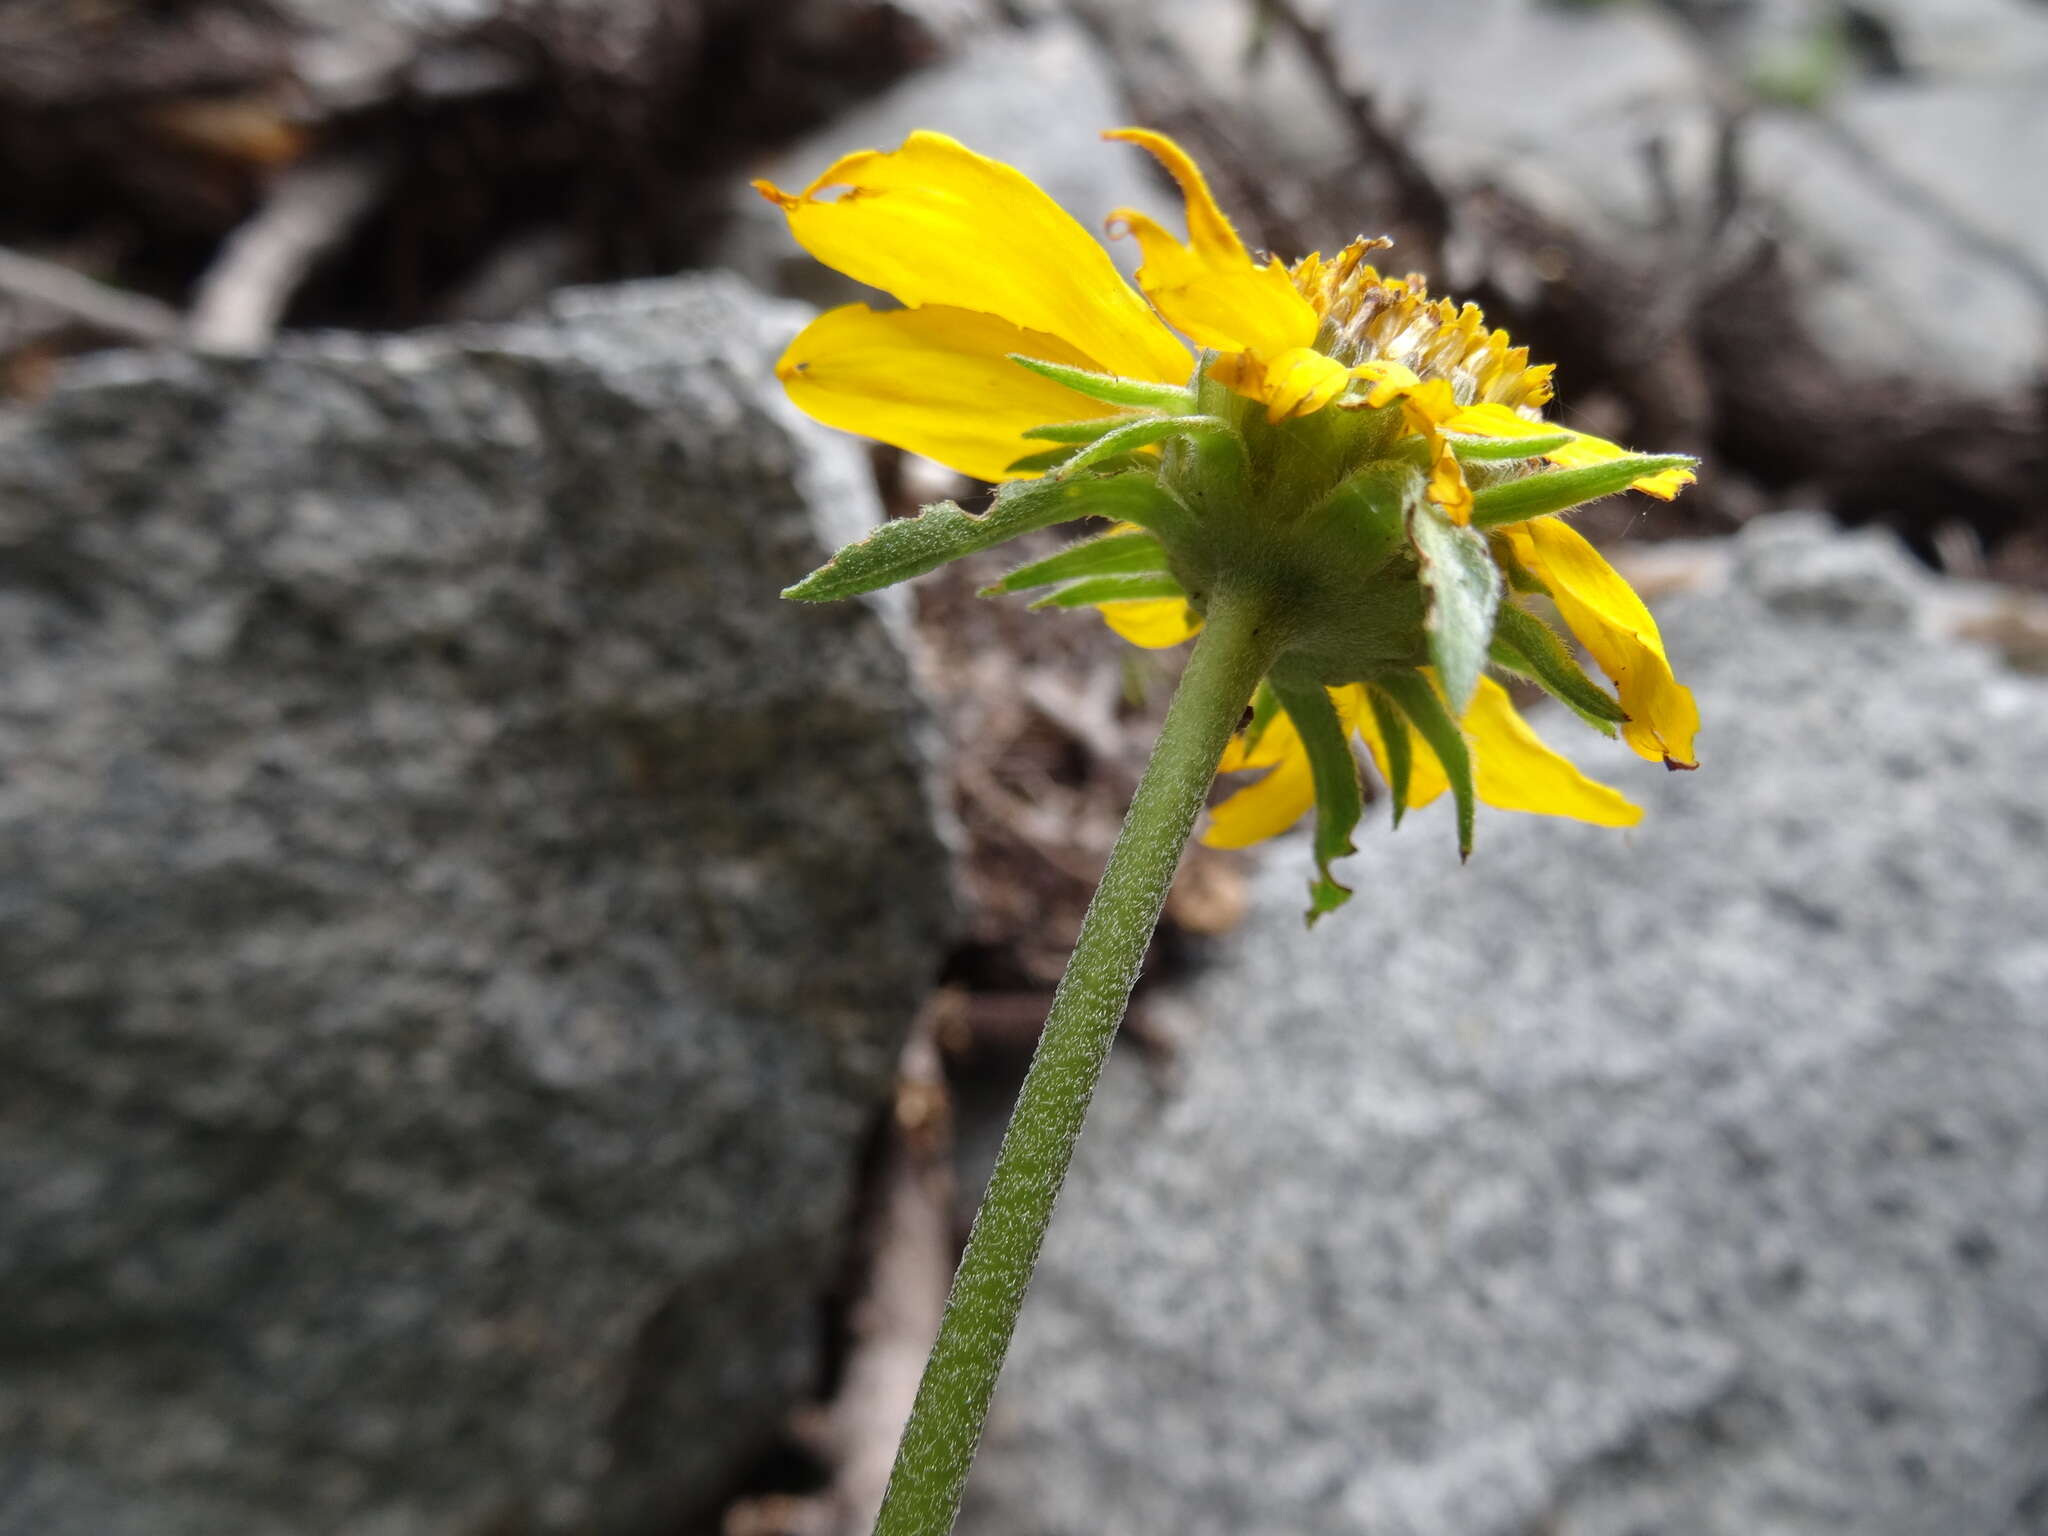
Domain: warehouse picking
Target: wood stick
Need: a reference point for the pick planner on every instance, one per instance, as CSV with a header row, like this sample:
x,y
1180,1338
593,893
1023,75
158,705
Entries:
x,y
130,316
311,209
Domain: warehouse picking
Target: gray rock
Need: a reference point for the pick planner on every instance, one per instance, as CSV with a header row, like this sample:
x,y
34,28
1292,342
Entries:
x,y
1038,97
1453,79
1797,568
1902,205
1930,40
1611,79
1966,151
1908,247
1894,186
1954,40
456,925
1694,1180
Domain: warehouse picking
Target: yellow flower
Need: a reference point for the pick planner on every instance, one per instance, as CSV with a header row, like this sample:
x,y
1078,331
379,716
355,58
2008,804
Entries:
x,y
987,267
1385,477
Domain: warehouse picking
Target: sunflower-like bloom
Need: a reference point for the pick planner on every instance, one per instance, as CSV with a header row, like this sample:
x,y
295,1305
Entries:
x,y
1373,462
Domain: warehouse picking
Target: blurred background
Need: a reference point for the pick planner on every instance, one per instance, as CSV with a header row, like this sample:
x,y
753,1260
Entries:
x,y
502,1022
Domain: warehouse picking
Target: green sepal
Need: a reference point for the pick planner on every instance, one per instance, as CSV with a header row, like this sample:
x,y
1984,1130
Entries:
x,y
1143,433
1222,477
1524,644
1112,589
1078,431
1464,593
1419,702
1469,448
944,531
1110,389
1520,577
1042,462
1339,799
1265,705
1071,436
1559,490
1108,555
1400,756
1368,512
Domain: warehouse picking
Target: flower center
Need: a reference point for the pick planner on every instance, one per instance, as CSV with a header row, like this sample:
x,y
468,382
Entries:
x,y
1368,318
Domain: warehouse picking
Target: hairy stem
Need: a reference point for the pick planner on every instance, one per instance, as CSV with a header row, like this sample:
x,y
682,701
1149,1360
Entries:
x,y
925,1488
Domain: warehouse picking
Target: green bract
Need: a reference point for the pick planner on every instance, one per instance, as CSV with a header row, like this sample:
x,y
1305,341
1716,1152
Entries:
x,y
1326,522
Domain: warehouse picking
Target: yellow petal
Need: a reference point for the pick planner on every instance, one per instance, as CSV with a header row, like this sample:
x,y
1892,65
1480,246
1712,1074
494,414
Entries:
x,y
1273,804
1489,420
935,223
1156,623
1167,267
1265,809
1273,747
1388,380
1612,623
936,381
1211,288
1512,770
1211,237
1300,382
1447,487
1426,407
1284,795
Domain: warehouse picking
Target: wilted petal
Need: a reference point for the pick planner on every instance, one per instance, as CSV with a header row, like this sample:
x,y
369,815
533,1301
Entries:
x,y
1211,288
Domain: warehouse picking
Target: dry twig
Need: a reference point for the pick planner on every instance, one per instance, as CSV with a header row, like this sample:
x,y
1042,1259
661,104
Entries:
x,y
311,209
129,316
1422,204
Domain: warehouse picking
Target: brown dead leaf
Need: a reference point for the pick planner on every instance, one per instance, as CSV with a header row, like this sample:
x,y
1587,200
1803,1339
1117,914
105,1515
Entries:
x,y
252,129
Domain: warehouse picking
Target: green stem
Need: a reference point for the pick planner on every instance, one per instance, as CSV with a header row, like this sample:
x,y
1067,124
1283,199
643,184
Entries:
x,y
930,1475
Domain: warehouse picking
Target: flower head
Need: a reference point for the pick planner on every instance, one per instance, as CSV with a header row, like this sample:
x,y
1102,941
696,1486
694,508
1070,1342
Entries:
x,y
1371,465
